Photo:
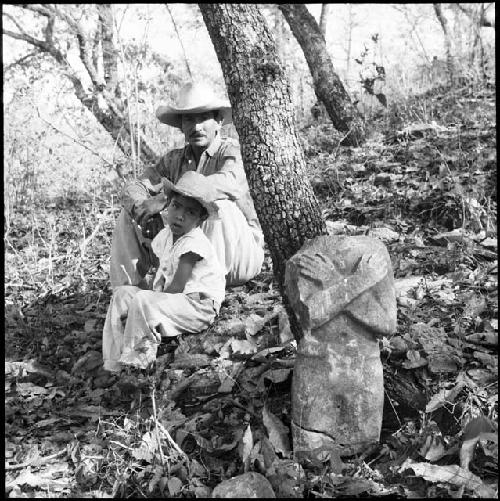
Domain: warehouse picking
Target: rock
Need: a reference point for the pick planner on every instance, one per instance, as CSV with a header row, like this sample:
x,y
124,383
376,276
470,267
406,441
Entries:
x,y
490,242
382,179
248,485
385,234
342,289
343,228
89,362
457,235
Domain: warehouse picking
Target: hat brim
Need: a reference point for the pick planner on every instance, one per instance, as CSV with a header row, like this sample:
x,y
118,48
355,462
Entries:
x,y
171,115
211,207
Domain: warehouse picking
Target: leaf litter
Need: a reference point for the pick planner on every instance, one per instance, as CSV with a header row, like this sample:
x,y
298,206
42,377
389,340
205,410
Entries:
x,y
221,405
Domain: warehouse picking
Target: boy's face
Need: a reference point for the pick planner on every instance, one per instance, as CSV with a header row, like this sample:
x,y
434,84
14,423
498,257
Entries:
x,y
184,214
200,129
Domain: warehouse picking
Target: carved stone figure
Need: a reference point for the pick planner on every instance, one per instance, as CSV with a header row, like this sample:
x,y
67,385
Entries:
x,y
342,289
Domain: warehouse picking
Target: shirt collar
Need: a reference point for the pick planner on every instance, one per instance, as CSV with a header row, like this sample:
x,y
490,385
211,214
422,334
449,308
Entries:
x,y
210,151
214,146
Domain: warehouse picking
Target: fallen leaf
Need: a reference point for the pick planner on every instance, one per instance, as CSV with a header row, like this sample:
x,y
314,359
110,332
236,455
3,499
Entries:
x,y
88,362
243,347
443,397
146,449
17,368
262,354
414,360
277,431
433,449
90,325
452,474
267,451
490,242
246,447
274,375
484,338
174,485
354,486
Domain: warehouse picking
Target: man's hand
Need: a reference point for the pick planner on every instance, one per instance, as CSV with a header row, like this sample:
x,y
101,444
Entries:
x,y
152,226
319,268
373,265
148,208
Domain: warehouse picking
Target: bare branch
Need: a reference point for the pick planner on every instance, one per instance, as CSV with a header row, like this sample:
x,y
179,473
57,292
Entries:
x,y
180,40
36,8
67,19
21,61
26,38
109,56
13,19
486,23
86,57
325,10
48,31
77,141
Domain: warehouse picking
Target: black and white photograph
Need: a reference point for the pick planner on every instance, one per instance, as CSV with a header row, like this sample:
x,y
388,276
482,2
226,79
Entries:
x,y
250,250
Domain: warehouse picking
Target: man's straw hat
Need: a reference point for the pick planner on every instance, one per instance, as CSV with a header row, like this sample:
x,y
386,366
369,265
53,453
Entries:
x,y
195,185
193,98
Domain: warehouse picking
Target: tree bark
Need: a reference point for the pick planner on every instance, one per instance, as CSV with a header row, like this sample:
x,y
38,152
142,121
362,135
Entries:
x,y
263,115
447,41
327,85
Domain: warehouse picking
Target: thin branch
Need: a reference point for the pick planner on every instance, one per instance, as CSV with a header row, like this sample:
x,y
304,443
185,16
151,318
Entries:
x,y
180,41
72,138
26,38
67,19
36,8
20,61
486,23
12,18
413,29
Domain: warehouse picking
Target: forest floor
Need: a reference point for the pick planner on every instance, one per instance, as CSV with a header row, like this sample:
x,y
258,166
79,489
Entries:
x,y
426,186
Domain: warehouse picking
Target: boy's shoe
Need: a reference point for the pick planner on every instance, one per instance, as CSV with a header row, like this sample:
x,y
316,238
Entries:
x,y
104,378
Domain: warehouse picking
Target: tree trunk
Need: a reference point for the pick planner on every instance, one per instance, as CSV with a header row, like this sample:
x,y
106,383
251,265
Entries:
x,y
327,85
263,115
350,27
323,19
447,41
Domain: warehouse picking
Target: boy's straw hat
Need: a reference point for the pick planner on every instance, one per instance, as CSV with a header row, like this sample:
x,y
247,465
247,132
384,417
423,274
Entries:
x,y
193,98
195,185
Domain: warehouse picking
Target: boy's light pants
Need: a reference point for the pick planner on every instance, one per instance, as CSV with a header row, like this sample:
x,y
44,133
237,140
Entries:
x,y
238,245
137,319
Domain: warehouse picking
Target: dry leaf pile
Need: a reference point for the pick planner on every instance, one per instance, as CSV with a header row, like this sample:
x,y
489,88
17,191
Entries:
x,y
219,405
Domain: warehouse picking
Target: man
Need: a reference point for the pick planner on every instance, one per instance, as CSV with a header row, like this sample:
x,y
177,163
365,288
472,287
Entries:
x,y
236,235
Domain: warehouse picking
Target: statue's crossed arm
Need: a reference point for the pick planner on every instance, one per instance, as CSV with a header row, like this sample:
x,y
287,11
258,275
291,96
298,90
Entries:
x,y
355,292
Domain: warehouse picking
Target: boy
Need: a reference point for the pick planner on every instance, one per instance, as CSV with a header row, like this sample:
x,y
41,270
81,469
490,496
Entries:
x,y
188,288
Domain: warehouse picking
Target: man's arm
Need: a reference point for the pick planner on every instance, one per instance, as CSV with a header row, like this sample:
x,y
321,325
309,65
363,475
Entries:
x,y
226,174
230,183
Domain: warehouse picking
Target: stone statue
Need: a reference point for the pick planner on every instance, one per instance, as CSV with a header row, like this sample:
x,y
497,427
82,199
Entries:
x,y
342,290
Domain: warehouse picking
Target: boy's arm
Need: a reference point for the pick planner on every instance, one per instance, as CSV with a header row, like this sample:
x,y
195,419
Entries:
x,y
183,272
